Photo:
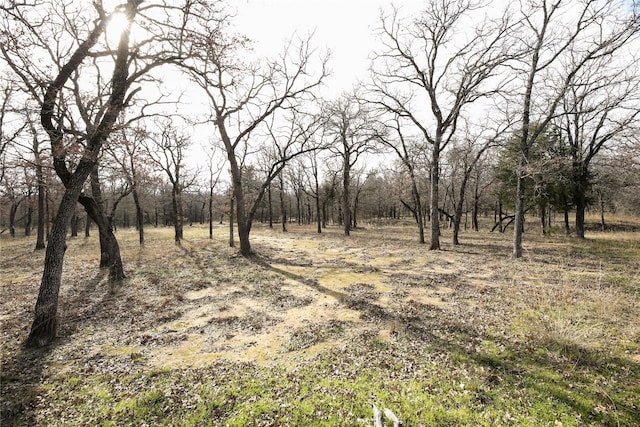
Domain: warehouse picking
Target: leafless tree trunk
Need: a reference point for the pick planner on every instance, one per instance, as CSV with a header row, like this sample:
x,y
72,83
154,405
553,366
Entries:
x,y
43,329
167,151
419,57
350,124
244,96
558,52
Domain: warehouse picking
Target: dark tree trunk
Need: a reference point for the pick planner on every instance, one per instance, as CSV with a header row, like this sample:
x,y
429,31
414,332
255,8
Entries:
x,y
109,248
418,214
355,211
298,208
283,208
29,217
580,213
457,215
41,209
12,217
318,213
346,207
211,212
519,216
43,329
435,188
176,205
232,242
139,216
474,215
74,225
87,226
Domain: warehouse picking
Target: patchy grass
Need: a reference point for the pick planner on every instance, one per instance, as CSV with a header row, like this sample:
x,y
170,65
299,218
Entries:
x,y
317,328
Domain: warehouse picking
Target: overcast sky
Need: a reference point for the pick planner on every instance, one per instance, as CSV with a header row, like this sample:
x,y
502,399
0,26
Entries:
x,y
344,26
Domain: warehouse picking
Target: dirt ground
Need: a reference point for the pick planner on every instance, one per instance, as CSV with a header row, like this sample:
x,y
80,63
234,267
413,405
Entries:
x,y
301,295
190,306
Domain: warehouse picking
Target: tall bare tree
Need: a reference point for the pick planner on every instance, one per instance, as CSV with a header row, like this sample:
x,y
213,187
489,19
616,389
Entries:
x,y
350,125
44,324
215,170
562,39
467,153
599,109
167,151
244,94
431,67
126,151
405,148
74,37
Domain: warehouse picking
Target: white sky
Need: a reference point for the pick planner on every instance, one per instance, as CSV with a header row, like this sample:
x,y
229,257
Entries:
x,y
344,26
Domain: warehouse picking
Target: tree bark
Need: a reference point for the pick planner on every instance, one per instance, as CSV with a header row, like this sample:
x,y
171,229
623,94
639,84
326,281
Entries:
x,y
232,242
318,210
41,207
139,216
211,212
435,188
87,226
474,214
176,204
109,248
43,328
346,182
29,216
283,208
74,225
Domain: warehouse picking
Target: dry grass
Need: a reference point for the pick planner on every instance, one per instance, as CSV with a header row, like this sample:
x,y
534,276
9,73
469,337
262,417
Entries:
x,y
308,301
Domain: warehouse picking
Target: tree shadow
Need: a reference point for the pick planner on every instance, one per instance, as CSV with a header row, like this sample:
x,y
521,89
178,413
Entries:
x,y
24,369
20,385
266,263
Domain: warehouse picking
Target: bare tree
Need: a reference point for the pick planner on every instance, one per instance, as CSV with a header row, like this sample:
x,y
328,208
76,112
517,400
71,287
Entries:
x,y
44,324
468,154
215,170
244,95
562,41
126,150
423,60
310,165
599,109
405,148
73,37
350,125
167,151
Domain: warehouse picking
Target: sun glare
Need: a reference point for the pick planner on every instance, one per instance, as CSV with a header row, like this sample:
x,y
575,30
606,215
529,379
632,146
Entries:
x,y
116,26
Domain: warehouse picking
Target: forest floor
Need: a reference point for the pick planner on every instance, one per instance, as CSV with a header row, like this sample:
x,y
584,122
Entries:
x,y
317,328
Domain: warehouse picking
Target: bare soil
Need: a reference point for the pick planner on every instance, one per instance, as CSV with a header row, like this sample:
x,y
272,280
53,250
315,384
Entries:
x,y
305,294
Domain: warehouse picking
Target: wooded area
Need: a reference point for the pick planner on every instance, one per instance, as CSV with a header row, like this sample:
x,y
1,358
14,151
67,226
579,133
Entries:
x,y
519,119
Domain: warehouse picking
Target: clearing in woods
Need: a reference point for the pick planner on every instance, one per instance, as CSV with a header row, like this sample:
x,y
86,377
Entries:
x,y
315,329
